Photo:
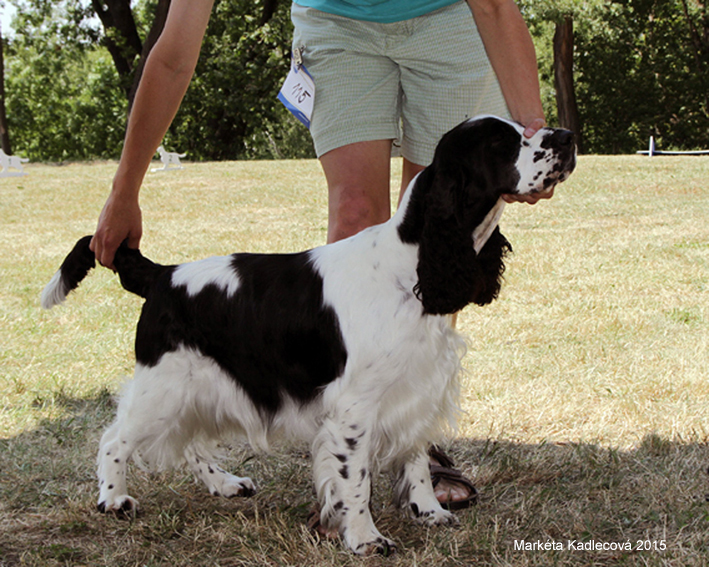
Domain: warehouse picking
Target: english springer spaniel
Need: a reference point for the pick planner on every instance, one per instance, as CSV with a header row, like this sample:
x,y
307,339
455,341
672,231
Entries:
x,y
346,346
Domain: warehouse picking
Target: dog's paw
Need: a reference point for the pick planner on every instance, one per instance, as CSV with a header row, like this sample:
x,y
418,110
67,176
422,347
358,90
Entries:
x,y
379,546
121,506
234,486
368,542
436,517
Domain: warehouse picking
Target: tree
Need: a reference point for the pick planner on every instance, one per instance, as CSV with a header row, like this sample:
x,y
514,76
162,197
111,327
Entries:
x,y
63,97
231,107
4,130
123,42
230,110
67,100
696,15
120,36
641,68
642,76
567,108
558,15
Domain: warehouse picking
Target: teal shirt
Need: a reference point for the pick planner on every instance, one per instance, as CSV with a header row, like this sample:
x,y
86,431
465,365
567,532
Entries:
x,y
381,11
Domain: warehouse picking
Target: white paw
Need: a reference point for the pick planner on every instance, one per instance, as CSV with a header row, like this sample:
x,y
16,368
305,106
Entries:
x,y
374,543
434,517
379,546
122,505
235,486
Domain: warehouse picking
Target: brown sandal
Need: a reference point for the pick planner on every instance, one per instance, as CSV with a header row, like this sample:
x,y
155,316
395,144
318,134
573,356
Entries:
x,y
445,471
316,528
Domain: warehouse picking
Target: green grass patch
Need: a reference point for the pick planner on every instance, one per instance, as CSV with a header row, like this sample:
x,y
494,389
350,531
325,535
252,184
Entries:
x,y
586,390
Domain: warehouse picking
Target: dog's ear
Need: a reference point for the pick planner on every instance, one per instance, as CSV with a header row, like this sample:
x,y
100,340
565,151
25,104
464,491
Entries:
x,y
450,199
490,267
451,275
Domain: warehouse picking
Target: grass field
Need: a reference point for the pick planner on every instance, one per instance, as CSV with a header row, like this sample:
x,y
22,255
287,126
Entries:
x,y
586,392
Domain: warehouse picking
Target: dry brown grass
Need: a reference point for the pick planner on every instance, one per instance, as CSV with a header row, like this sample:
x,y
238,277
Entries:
x,y
586,389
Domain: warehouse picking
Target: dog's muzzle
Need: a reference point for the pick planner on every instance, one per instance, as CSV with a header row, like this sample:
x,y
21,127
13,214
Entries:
x,y
563,143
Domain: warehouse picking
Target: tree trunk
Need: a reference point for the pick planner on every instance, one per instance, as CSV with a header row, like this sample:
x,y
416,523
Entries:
x,y
4,132
564,78
269,8
121,36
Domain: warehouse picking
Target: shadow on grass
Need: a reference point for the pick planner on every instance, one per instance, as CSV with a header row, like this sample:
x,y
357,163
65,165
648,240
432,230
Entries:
x,y
564,496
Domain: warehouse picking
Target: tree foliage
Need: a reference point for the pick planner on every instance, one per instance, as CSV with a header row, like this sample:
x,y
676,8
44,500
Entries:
x,y
63,96
230,110
639,70
67,91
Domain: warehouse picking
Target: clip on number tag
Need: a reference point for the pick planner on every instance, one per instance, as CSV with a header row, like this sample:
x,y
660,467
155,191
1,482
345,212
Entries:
x,y
297,92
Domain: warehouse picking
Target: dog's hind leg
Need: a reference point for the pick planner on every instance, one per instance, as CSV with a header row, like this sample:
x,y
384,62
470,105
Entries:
x,y
414,491
113,456
147,423
217,480
161,418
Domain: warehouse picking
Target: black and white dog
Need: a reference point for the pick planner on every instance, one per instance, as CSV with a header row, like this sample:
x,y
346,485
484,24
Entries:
x,y
346,346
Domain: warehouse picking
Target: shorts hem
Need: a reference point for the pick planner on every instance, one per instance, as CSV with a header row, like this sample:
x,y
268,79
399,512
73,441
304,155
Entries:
x,y
339,135
417,152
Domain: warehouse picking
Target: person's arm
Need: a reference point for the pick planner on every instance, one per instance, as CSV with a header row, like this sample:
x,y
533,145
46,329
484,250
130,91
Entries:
x,y
510,49
166,76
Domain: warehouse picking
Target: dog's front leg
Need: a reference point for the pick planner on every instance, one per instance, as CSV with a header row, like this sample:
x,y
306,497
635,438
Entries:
x,y
413,491
342,474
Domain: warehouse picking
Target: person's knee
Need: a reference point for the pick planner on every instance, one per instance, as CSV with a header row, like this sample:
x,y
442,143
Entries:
x,y
358,185
352,210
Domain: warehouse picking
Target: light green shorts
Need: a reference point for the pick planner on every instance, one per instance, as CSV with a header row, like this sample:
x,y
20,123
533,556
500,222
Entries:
x,y
408,81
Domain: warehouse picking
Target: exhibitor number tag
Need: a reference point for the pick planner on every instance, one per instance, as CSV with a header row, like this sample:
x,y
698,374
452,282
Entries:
x,y
298,92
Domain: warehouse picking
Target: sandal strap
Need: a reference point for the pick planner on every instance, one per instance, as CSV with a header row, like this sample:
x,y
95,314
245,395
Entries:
x,y
454,476
436,453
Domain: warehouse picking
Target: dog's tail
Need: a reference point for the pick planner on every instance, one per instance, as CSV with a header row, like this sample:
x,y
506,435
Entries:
x,y
136,272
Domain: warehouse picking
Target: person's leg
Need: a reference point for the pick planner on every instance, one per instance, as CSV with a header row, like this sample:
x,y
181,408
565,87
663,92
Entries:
x,y
358,186
409,170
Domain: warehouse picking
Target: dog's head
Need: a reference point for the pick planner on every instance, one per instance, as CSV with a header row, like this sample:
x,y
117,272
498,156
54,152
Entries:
x,y
487,157
475,164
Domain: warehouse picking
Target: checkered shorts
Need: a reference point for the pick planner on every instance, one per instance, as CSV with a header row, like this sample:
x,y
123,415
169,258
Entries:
x,y
408,81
